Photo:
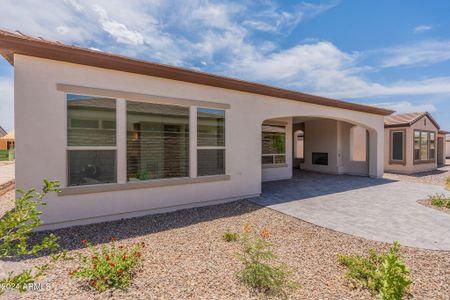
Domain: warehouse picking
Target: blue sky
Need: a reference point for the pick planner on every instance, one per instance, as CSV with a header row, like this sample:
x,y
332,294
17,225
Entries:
x,y
388,53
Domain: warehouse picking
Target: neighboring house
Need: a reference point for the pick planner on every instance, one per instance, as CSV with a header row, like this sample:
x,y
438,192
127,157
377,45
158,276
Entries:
x,y
413,143
7,141
128,137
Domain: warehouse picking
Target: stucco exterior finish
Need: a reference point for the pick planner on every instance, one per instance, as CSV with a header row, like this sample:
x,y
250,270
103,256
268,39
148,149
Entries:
x,y
40,107
409,166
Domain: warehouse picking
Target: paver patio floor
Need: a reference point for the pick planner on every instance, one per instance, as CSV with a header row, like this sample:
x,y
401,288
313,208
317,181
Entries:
x,y
377,209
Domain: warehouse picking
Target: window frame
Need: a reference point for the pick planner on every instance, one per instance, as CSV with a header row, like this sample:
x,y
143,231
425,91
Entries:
x,y
197,147
121,137
68,148
429,133
273,155
391,147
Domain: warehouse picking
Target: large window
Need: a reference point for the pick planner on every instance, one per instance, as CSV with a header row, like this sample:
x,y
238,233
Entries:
x,y
157,141
424,146
91,140
120,140
210,142
397,146
273,144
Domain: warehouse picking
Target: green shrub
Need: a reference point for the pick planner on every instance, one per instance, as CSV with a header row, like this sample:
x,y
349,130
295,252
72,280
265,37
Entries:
x,y
110,267
230,236
16,226
384,274
439,200
258,271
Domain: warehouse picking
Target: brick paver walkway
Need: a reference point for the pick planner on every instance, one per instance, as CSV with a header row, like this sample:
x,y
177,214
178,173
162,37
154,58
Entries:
x,y
377,209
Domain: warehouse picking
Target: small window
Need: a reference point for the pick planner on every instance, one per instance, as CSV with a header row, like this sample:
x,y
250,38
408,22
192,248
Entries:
x,y
210,142
273,144
398,142
91,147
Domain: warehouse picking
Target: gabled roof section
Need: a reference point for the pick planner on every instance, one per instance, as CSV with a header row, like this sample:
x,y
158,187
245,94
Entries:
x,y
17,43
408,119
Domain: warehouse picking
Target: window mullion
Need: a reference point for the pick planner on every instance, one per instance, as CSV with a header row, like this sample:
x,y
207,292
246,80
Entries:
x,y
193,141
121,139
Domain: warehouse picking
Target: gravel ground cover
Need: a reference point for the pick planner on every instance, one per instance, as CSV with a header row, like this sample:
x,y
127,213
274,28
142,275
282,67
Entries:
x,y
436,177
186,258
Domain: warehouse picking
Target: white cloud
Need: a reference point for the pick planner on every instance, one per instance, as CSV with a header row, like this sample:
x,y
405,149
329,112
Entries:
x,y
406,107
422,28
118,30
273,19
423,53
6,103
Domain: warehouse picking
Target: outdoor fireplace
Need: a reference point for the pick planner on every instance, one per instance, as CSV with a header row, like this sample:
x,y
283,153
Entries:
x,y
320,158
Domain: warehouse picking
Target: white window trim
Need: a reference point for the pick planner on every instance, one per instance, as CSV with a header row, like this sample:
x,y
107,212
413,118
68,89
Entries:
x,y
210,147
284,124
392,145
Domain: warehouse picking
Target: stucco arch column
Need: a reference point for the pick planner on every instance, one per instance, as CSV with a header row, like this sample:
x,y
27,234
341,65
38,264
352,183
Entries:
x,y
376,152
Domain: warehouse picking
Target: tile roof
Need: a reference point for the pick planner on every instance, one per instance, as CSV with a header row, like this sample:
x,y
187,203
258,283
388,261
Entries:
x,y
407,119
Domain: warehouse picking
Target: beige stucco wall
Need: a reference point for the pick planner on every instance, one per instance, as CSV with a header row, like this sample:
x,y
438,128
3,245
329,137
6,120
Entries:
x,y
39,107
409,167
447,149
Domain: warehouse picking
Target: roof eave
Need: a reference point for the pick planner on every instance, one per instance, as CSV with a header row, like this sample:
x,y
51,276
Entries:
x,y
11,44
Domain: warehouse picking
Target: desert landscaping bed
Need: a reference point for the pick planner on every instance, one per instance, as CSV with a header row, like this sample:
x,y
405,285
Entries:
x,y
427,202
186,258
435,177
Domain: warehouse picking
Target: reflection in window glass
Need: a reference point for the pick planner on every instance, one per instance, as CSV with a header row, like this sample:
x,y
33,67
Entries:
x,y
273,144
211,162
86,119
210,142
91,167
424,145
210,127
157,141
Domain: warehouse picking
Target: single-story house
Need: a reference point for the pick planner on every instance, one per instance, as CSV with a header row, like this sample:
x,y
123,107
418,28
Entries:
x,y
128,137
7,141
413,143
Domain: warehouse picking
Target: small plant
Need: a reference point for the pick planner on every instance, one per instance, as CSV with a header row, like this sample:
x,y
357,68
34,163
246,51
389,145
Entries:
x,y
16,227
229,236
439,200
447,182
258,271
112,266
384,274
